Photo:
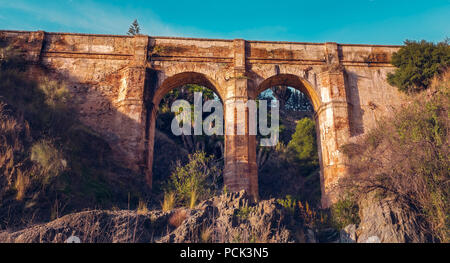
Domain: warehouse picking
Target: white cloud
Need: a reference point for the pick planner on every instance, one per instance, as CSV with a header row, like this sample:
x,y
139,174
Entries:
x,y
85,16
88,17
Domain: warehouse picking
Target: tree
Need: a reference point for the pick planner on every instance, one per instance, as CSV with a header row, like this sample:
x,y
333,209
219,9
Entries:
x,y
192,143
417,63
185,92
298,101
303,143
289,98
134,29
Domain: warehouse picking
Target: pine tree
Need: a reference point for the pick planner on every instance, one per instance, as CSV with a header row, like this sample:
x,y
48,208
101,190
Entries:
x,y
134,28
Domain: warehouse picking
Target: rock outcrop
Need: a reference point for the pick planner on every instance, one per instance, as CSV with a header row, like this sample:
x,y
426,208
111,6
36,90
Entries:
x,y
233,218
95,226
227,218
387,221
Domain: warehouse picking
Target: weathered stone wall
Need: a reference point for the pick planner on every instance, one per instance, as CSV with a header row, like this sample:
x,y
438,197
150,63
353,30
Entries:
x,y
118,81
96,69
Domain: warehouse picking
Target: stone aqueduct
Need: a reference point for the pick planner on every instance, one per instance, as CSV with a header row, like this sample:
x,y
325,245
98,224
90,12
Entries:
x,y
118,82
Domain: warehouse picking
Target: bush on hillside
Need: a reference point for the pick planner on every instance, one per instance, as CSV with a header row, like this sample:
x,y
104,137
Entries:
x,y
417,63
344,212
196,180
407,156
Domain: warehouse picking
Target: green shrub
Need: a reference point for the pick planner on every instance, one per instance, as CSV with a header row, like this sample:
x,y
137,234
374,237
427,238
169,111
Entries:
x,y
289,203
344,212
49,158
302,212
198,179
303,144
417,63
244,211
56,94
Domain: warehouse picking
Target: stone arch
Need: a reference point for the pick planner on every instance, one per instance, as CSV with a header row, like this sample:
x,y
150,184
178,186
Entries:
x,y
332,124
307,88
164,87
291,81
183,78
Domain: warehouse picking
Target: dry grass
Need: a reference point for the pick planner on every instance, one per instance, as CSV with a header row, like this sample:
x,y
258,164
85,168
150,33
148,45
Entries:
x,y
193,199
177,218
308,215
169,202
12,135
206,234
142,208
22,183
49,158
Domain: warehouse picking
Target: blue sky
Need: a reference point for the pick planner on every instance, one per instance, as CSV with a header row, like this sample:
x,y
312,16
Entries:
x,y
344,21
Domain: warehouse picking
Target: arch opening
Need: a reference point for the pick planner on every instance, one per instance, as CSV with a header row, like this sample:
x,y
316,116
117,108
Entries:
x,y
181,79
166,151
296,157
293,81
